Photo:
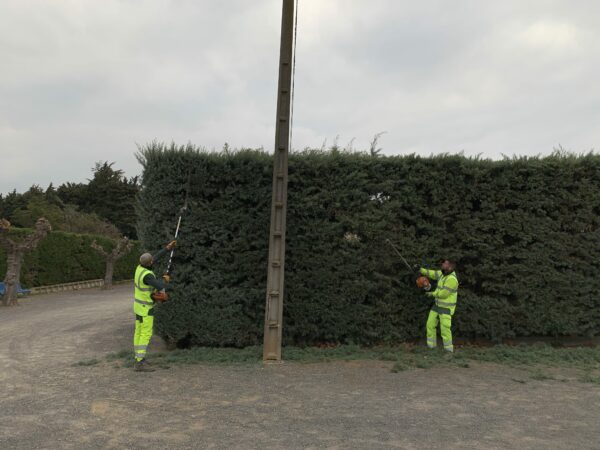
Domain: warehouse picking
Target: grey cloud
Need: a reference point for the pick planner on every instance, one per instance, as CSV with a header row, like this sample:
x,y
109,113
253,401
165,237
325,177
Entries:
x,y
83,82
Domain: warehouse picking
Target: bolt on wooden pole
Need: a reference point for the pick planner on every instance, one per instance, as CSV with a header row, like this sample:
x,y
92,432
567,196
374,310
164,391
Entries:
x,y
275,274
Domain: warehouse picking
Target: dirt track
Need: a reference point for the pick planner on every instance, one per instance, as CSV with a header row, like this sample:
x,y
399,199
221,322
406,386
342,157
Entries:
x,y
46,402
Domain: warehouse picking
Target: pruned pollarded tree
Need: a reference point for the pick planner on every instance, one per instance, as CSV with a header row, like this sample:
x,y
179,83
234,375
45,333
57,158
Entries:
x,y
15,251
122,247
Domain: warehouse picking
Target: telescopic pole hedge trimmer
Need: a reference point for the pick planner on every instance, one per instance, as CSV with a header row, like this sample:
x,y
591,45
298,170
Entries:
x,y
181,211
162,296
422,282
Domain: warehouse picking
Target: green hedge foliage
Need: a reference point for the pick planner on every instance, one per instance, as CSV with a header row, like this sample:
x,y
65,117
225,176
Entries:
x,y
525,232
66,257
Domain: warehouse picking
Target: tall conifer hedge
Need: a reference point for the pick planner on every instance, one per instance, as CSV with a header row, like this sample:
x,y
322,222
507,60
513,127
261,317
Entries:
x,y
525,232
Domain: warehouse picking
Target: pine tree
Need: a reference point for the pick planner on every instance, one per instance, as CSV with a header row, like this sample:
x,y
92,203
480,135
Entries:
x,y
108,194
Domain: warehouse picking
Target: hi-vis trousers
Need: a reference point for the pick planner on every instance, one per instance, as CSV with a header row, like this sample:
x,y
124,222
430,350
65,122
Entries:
x,y
142,336
444,317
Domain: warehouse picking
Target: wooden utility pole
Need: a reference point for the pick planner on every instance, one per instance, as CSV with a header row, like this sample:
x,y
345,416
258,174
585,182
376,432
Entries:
x,y
275,276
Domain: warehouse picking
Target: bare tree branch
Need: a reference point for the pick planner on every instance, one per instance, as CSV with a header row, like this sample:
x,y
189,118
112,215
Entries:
x,y
98,248
42,228
122,248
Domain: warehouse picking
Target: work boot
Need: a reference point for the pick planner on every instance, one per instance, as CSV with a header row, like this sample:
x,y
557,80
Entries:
x,y
142,366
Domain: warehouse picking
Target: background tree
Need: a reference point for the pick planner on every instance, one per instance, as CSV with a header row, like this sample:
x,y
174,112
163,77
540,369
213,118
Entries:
x,y
104,205
15,201
15,251
109,194
22,210
122,247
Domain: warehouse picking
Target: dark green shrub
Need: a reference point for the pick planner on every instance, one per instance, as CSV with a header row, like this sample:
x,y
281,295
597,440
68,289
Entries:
x,y
525,232
66,257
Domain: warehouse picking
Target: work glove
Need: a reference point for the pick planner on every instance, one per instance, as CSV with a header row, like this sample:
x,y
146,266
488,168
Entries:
x,y
428,294
167,278
171,245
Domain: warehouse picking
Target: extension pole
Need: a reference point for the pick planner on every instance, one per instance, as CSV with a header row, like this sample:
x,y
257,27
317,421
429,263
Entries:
x,y
173,249
275,270
399,254
181,211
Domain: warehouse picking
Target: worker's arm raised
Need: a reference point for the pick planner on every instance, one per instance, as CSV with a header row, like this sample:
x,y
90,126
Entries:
x,y
159,254
431,274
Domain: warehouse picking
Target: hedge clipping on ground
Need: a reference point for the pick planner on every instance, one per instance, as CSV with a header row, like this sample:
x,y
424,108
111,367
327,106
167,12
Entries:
x,y
525,233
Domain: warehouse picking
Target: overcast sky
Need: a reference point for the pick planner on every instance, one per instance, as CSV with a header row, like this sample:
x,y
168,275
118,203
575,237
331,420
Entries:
x,y
84,81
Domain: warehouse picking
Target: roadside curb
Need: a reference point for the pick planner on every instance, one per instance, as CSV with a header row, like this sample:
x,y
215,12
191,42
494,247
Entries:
x,y
74,286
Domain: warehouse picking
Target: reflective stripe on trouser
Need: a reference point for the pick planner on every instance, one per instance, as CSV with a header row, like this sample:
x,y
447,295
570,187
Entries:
x,y
142,336
445,321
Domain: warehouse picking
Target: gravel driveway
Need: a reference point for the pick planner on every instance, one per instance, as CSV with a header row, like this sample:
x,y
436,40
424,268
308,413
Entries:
x,y
48,402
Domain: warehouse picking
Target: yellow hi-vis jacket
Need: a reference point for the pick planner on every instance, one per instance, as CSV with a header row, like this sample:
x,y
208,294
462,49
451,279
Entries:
x,y
142,303
446,293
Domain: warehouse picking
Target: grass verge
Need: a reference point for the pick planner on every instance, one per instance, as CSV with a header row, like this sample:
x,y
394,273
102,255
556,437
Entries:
x,y
405,357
